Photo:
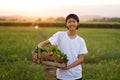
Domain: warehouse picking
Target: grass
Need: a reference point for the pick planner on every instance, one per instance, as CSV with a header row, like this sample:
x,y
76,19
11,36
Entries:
x,y
16,44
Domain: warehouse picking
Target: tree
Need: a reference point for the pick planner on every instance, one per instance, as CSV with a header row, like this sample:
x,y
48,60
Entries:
x,y
60,19
50,19
39,20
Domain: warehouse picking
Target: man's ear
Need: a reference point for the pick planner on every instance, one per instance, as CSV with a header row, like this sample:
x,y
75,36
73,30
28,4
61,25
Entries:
x,y
77,26
67,27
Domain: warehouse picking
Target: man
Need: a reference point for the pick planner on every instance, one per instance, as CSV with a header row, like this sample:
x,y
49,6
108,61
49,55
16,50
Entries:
x,y
70,44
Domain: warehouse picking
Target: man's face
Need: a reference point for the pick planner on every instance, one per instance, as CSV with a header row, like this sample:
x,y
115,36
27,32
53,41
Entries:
x,y
72,24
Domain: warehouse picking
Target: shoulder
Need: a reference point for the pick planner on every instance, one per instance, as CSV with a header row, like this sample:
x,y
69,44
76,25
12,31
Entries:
x,y
60,33
80,38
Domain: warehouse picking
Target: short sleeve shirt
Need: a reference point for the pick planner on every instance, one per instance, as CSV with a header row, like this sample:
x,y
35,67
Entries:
x,y
72,48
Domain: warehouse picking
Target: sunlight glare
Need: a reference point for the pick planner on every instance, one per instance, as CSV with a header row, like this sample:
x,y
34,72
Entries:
x,y
41,4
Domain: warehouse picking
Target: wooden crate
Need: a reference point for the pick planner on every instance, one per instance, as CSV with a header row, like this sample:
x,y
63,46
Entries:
x,y
54,64
45,59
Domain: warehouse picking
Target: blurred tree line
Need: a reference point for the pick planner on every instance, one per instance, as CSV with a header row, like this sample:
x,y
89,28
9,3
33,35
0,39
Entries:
x,y
49,19
58,19
114,19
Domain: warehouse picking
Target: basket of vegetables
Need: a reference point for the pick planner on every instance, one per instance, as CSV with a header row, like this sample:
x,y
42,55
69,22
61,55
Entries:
x,y
53,57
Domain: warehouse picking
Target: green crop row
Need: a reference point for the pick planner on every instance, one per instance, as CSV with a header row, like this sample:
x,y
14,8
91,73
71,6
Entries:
x,y
59,24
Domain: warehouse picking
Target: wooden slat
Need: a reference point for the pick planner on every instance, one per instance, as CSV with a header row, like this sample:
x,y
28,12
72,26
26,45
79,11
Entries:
x,y
55,64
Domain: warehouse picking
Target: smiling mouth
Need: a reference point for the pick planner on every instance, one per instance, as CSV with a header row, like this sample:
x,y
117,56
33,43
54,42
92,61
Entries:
x,y
72,26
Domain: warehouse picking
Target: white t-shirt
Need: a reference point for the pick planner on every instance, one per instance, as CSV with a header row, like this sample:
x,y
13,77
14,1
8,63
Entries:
x,y
72,48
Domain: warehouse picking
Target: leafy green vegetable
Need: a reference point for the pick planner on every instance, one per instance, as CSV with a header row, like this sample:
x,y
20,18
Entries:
x,y
40,50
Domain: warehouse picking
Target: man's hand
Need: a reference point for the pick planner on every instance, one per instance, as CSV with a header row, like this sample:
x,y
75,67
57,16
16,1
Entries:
x,y
64,68
34,56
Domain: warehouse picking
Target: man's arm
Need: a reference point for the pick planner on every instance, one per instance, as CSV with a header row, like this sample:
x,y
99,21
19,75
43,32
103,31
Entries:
x,y
77,62
43,44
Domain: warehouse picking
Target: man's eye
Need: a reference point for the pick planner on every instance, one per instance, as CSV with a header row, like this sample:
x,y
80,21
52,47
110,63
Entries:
x,y
73,21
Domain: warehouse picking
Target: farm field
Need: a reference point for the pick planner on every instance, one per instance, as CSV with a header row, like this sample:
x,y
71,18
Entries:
x,y
16,44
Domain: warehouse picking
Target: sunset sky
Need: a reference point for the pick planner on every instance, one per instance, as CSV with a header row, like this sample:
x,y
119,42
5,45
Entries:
x,y
53,8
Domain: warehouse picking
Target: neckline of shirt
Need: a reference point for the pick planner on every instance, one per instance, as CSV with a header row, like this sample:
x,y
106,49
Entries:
x,y
71,38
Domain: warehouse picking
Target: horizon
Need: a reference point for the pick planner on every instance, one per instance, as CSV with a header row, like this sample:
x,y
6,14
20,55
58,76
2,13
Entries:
x,y
54,8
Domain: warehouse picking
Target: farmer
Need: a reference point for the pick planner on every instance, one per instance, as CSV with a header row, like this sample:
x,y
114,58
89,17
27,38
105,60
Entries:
x,y
72,45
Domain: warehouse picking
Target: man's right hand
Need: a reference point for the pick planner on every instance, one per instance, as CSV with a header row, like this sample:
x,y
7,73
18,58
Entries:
x,y
34,56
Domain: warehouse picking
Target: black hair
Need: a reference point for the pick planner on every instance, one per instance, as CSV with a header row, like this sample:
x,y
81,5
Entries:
x,y
74,16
